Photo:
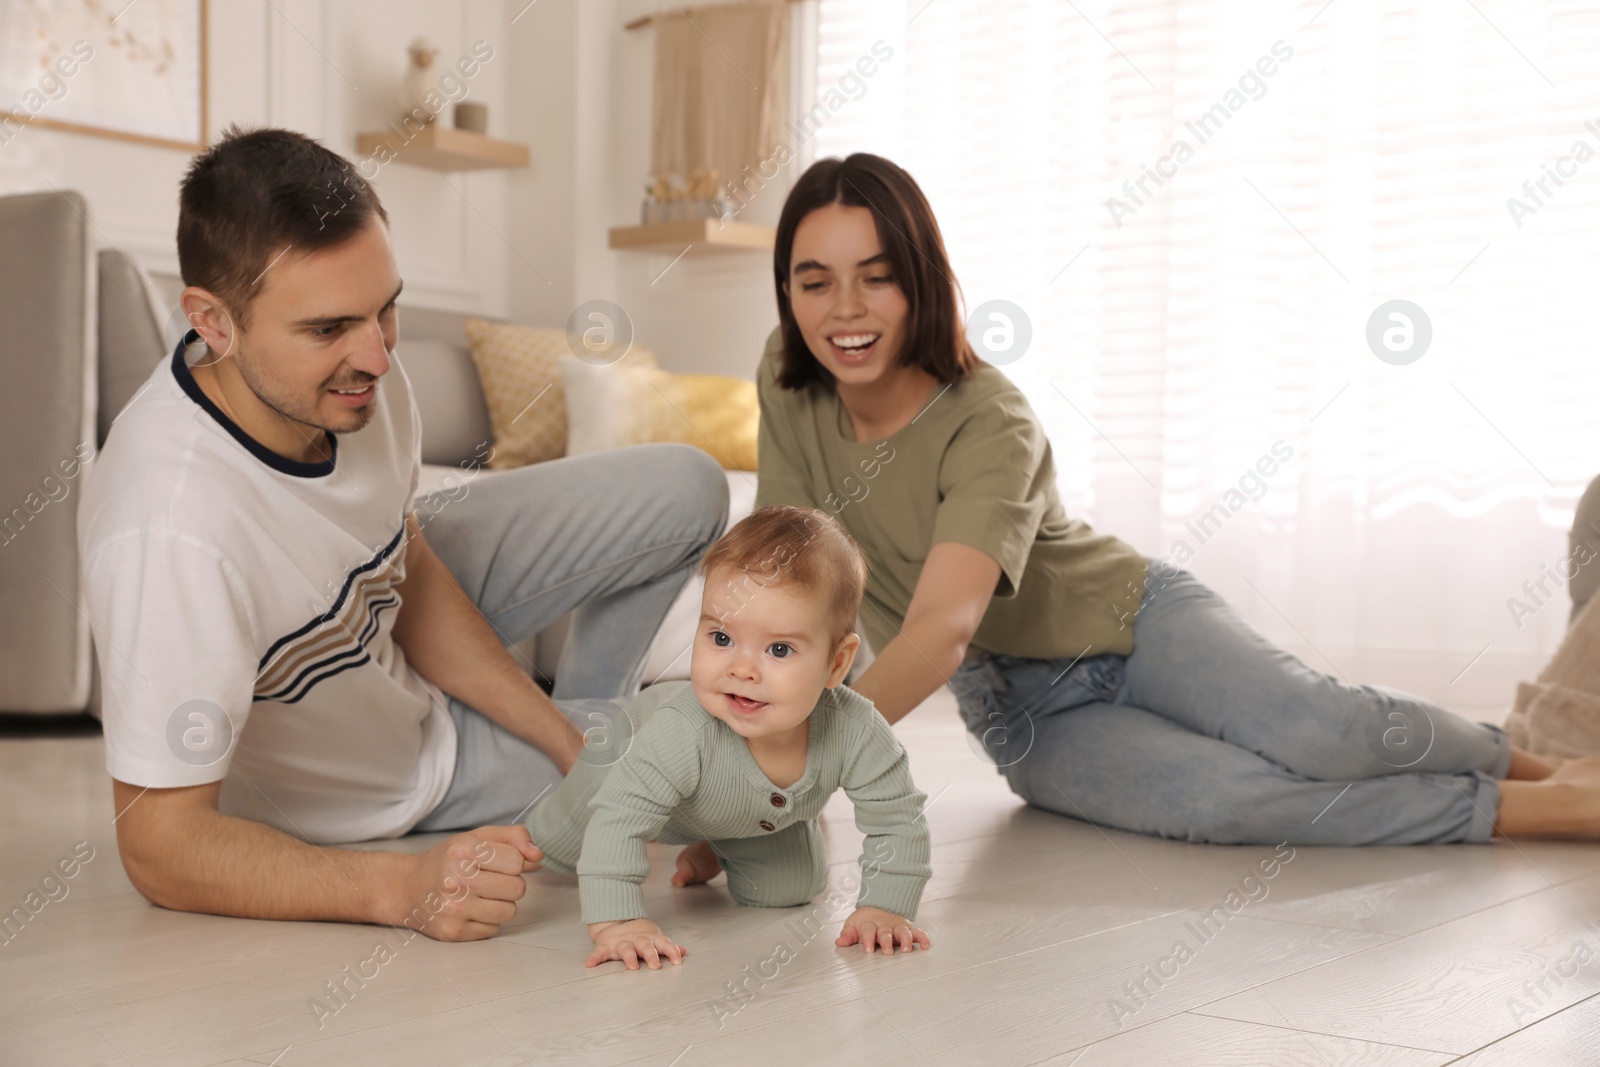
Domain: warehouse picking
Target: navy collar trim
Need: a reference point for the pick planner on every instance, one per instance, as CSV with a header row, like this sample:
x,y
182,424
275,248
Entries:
x,y
282,464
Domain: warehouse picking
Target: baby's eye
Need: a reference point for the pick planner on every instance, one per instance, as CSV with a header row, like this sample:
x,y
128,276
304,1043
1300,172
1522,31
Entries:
x,y
720,639
780,650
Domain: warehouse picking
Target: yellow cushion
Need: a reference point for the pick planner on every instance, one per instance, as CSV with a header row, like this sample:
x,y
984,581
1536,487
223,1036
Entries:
x,y
621,405
518,367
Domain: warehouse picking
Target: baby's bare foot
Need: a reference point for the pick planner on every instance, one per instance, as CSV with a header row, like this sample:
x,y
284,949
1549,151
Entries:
x,y
697,865
1566,804
1585,770
1527,767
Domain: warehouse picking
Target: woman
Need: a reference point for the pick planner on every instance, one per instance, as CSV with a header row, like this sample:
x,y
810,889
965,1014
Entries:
x,y
1106,686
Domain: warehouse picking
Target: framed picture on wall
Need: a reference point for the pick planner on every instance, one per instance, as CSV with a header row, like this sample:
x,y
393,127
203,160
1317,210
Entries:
x,y
131,69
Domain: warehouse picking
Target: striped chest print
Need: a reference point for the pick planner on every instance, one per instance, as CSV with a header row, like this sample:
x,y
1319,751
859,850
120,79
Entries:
x,y
338,639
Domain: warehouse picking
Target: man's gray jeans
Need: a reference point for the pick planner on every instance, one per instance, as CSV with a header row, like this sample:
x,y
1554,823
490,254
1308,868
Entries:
x,y
611,536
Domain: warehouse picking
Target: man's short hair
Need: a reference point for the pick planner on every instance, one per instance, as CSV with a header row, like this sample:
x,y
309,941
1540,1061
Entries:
x,y
793,547
254,195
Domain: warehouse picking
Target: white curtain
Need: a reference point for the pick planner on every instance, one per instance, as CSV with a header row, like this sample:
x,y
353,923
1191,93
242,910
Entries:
x,y
1288,170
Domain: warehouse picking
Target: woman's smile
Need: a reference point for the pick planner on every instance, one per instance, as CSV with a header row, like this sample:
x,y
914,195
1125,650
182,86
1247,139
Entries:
x,y
854,348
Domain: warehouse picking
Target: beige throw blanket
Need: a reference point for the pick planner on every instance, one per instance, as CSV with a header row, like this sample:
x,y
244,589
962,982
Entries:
x,y
1559,714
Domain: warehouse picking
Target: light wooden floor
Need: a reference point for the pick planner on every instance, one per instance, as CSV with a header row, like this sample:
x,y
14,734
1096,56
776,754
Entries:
x,y
1468,954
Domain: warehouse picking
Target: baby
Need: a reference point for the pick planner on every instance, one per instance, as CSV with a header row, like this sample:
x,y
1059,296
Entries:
x,y
739,761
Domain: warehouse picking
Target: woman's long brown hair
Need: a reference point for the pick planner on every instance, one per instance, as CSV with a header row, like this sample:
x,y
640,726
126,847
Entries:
x,y
935,340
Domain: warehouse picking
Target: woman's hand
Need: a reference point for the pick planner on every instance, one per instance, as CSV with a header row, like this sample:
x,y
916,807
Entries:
x,y
629,940
870,926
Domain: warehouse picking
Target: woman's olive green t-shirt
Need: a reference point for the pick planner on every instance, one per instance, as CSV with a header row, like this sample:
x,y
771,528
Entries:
x,y
973,467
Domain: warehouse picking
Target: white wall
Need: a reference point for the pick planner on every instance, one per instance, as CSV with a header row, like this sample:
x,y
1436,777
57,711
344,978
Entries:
x,y
331,70
582,89
527,244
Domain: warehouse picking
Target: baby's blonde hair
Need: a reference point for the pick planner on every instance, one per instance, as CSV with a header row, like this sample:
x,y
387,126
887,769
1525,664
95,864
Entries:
x,y
798,547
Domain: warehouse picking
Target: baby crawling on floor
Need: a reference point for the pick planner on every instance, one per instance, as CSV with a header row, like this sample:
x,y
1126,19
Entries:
x,y
738,762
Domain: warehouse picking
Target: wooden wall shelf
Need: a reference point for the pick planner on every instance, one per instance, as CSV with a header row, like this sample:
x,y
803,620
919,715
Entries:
x,y
645,20
445,148
708,235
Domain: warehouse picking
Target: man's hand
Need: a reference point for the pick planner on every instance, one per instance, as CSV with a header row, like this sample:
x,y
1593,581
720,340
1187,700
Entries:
x,y
181,853
870,926
466,887
629,939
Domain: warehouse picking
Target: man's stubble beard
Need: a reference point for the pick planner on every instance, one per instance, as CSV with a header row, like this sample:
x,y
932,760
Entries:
x,y
269,394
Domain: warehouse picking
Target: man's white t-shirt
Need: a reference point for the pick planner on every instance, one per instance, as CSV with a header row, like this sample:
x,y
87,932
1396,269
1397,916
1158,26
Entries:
x,y
221,575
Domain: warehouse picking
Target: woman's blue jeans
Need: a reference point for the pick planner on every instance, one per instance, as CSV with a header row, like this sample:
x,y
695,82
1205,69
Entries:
x,y
1207,732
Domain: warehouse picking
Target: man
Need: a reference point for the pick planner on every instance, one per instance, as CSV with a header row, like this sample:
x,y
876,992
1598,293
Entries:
x,y
286,656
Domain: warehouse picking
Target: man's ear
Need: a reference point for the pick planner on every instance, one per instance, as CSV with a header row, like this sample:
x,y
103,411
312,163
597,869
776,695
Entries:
x,y
209,315
843,657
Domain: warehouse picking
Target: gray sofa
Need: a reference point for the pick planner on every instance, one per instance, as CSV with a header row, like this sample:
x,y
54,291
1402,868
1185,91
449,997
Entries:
x,y
50,349
82,334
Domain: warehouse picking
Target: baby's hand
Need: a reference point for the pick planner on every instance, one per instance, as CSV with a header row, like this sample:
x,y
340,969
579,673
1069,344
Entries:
x,y
629,939
871,926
